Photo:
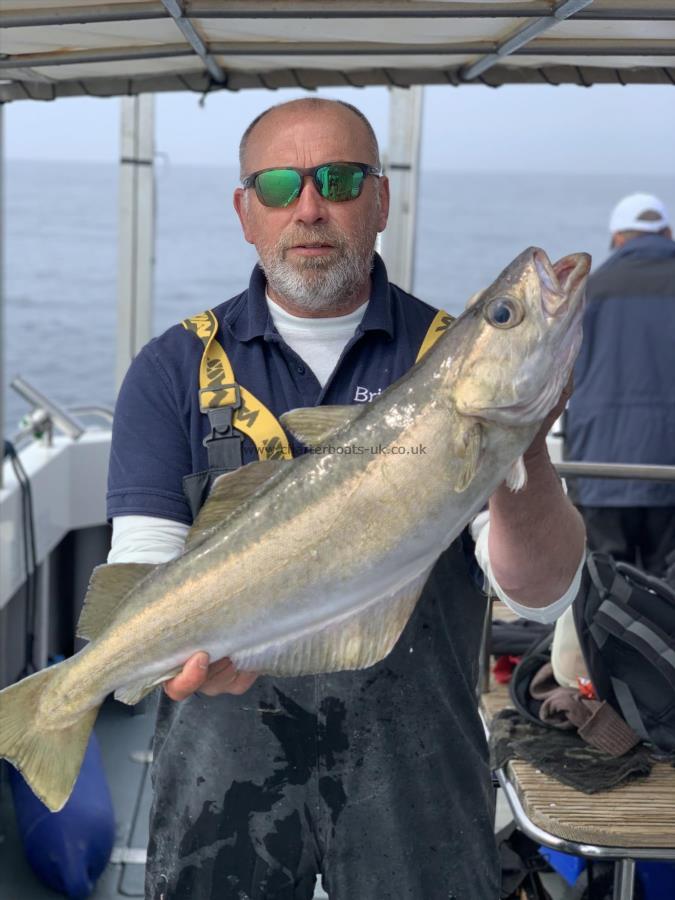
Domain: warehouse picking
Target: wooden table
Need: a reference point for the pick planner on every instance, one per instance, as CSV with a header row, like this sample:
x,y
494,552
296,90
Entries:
x,y
631,822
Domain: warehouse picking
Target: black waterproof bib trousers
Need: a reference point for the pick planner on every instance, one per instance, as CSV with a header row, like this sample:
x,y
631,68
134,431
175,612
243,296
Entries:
x,y
376,779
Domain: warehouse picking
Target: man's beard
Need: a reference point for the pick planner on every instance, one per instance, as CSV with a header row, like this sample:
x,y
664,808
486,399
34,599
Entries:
x,y
319,283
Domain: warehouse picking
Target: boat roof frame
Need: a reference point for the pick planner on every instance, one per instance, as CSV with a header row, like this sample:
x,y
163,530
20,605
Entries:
x,y
241,44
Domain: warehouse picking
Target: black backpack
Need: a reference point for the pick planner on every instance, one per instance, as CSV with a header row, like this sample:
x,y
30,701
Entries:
x,y
625,620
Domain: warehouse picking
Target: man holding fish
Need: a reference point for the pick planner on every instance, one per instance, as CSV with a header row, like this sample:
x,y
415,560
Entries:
x,y
346,576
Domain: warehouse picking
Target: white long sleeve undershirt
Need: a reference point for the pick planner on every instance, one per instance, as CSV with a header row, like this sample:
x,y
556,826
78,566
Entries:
x,y
149,539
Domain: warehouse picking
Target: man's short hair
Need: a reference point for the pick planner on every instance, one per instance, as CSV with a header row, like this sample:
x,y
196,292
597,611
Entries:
x,y
309,101
630,235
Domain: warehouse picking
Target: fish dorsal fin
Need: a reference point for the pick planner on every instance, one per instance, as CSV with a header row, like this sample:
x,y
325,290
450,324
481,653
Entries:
x,y
108,588
467,450
353,641
313,424
228,493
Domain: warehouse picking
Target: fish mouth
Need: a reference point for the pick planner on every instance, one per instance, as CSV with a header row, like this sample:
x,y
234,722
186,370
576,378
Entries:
x,y
562,282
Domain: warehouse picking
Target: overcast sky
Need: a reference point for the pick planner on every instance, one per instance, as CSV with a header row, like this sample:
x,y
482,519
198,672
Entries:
x,y
609,129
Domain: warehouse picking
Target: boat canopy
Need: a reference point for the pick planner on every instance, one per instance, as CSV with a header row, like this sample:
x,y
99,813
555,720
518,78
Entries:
x,y
59,48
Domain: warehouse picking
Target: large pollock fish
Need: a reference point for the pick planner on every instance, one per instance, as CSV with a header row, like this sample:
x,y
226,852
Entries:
x,y
315,565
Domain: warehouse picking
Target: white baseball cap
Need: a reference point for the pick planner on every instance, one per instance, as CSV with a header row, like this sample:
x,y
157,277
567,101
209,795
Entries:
x,y
639,212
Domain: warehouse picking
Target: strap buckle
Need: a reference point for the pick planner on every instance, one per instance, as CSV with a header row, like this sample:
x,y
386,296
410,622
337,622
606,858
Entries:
x,y
223,396
223,443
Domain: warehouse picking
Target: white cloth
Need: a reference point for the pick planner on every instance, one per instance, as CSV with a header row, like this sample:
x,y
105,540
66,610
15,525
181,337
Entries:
x,y
318,342
149,539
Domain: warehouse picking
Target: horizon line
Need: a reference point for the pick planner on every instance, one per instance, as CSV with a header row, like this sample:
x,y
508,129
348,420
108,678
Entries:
x,y
167,163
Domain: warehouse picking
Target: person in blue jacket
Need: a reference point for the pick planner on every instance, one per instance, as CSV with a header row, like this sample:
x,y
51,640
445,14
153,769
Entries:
x,y
377,779
623,407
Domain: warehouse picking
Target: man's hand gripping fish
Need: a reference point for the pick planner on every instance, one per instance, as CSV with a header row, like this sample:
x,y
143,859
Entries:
x,y
315,565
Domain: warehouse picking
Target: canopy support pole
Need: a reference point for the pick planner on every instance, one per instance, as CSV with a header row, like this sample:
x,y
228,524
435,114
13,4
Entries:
x,y
402,168
3,330
136,230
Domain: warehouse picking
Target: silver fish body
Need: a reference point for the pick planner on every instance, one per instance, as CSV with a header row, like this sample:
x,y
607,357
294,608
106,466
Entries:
x,y
320,563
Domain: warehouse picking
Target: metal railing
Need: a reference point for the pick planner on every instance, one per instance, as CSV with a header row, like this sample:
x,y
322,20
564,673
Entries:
x,y
46,415
102,412
569,469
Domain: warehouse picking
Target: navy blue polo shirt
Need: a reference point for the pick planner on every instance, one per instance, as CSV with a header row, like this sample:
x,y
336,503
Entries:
x,y
158,430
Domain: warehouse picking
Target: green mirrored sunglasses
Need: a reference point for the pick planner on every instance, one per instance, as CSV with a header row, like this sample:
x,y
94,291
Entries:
x,y
335,181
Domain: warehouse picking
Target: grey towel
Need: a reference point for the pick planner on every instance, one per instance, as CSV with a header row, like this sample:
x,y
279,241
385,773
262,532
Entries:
x,y
563,754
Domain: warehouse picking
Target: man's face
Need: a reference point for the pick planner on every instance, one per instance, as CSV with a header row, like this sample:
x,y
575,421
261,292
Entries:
x,y
316,253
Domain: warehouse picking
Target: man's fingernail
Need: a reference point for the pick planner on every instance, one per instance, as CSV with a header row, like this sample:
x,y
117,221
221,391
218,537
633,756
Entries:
x,y
203,661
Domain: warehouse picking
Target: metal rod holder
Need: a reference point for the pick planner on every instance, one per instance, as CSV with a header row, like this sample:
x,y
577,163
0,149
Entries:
x,y
60,417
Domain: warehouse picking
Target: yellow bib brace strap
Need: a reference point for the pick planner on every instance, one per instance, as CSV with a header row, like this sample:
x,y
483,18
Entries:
x,y
439,325
231,408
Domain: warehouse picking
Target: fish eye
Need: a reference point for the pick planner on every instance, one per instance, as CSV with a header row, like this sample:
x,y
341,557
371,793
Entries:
x,y
503,313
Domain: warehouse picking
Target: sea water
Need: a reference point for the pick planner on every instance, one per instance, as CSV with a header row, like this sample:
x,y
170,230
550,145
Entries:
x,y
61,234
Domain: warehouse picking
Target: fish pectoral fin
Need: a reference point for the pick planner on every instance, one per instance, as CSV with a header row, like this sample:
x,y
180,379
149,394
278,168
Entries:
x,y
133,693
467,451
314,424
353,641
108,588
228,493
516,477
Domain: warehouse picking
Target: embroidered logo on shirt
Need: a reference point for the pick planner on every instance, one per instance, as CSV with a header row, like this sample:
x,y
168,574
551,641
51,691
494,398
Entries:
x,y
363,395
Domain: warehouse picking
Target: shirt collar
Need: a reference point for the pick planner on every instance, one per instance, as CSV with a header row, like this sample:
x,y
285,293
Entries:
x,y
249,317
378,316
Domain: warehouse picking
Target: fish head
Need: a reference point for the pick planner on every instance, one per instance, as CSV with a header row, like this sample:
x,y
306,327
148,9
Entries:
x,y
520,338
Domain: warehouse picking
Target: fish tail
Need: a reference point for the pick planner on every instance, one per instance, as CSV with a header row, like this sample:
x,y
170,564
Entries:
x,y
49,759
